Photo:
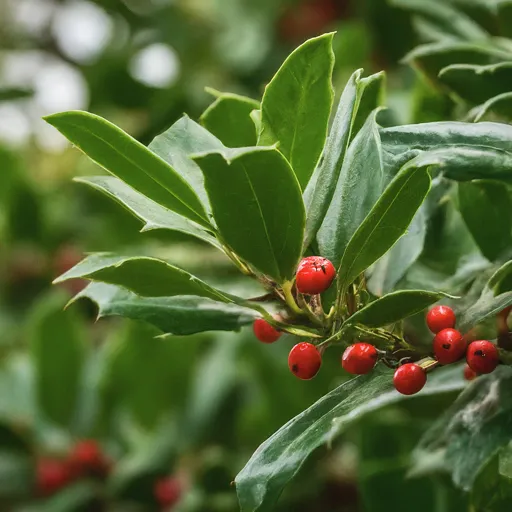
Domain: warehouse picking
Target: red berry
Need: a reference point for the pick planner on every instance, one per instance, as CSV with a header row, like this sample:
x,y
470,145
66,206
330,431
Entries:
x,y
439,318
265,332
359,358
52,475
304,360
469,374
482,356
314,275
87,458
449,346
409,379
167,491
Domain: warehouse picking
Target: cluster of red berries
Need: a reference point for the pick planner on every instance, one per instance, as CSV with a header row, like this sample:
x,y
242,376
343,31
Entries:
x,y
85,460
314,276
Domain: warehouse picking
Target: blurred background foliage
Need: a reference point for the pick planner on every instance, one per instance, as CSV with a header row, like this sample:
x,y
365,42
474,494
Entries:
x,y
192,409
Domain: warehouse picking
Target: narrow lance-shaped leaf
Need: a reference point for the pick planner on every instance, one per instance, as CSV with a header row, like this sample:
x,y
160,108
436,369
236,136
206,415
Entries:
x,y
393,307
297,103
500,105
184,138
124,157
229,119
388,219
281,456
148,277
361,182
152,214
320,190
258,208
486,207
181,315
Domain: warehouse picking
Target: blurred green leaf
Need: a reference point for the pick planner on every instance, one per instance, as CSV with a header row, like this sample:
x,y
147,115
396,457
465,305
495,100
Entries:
x,y
477,84
388,220
296,106
500,106
184,138
393,307
280,457
129,160
13,93
152,214
57,351
321,188
229,119
486,207
181,315
470,432
261,214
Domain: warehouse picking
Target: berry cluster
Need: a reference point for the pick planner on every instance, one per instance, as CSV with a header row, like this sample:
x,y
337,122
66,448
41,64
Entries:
x,y
314,276
87,460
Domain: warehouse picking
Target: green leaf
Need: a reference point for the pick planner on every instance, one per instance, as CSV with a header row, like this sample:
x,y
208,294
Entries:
x,y
476,151
393,307
281,456
502,273
129,160
57,351
431,58
471,431
297,103
492,491
77,496
152,214
486,207
500,105
477,84
257,206
184,138
448,20
361,182
148,277
388,220
229,119
181,315
321,188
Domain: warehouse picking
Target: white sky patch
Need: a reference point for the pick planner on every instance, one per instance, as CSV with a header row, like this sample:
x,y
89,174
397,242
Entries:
x,y
156,65
15,127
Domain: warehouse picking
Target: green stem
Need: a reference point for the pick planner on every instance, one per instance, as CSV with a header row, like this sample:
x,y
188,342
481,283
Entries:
x,y
307,310
289,299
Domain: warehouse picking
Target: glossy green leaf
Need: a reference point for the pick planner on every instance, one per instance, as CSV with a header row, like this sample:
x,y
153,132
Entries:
x,y
361,182
388,220
393,307
152,214
297,103
229,119
500,106
184,138
486,207
432,58
181,315
321,188
57,351
281,456
148,277
476,151
129,160
446,18
258,208
471,431
477,84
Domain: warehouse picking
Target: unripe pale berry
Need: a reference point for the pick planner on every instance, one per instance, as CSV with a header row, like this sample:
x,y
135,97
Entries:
x,y
409,379
482,356
449,346
167,491
469,374
304,360
265,332
439,318
314,275
359,358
